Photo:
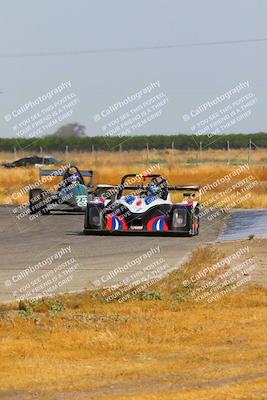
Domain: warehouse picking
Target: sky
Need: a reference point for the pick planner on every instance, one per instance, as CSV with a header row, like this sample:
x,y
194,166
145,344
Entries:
x,y
111,50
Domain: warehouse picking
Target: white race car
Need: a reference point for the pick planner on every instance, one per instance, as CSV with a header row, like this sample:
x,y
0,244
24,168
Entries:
x,y
144,209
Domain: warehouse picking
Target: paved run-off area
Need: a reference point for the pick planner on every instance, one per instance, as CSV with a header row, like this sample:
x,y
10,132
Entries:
x,y
51,254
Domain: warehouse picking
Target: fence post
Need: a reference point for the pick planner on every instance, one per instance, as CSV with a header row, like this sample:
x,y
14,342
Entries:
x,y
249,151
228,151
172,148
200,152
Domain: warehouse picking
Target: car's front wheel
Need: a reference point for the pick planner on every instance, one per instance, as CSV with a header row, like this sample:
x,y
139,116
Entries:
x,y
93,218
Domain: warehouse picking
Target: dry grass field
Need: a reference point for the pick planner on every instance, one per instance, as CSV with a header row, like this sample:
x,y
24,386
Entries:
x,y
179,167
163,346
160,345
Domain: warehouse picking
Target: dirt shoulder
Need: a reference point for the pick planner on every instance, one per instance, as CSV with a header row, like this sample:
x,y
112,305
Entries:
x,y
257,251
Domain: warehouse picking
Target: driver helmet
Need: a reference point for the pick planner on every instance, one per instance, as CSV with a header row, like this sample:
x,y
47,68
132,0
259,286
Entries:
x,y
72,170
73,175
153,190
74,178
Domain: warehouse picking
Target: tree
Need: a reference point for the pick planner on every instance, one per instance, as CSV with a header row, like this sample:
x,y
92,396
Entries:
x,y
74,129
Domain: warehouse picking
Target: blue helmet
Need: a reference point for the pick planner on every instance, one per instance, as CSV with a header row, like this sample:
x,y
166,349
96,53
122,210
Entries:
x,y
153,190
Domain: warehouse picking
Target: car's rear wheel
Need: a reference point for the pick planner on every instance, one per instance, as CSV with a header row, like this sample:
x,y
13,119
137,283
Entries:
x,y
196,220
46,200
35,201
194,224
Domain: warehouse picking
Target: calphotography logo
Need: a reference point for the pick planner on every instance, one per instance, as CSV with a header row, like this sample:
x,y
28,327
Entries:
x,y
133,112
45,278
43,113
227,110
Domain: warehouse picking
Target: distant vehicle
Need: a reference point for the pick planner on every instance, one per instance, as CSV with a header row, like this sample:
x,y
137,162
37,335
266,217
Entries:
x,y
32,161
71,194
147,209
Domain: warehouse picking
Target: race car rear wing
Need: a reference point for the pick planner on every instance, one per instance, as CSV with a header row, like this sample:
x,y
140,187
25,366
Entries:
x,y
170,187
189,188
161,181
61,172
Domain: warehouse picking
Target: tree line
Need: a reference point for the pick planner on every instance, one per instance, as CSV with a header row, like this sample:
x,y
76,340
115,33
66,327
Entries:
x,y
115,143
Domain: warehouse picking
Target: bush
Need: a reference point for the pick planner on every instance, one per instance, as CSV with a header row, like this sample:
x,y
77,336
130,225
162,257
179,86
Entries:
x,y
28,307
180,297
150,296
25,309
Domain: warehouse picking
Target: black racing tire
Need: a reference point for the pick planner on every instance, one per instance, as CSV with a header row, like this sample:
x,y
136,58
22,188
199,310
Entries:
x,y
86,219
197,226
46,200
197,232
89,222
35,201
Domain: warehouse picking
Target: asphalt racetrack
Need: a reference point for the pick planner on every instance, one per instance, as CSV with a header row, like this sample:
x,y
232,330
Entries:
x,y
244,223
51,254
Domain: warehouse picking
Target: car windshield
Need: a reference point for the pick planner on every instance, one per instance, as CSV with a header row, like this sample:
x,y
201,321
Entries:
x,y
51,160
